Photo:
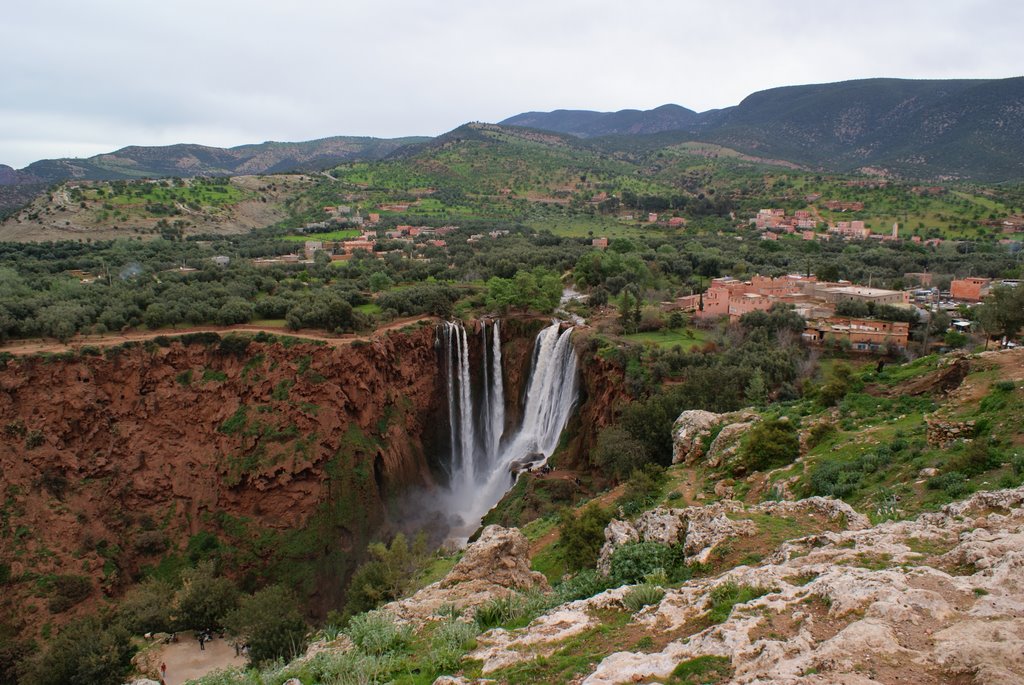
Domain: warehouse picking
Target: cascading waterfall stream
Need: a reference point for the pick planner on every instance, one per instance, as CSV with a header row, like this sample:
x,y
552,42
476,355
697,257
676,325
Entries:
x,y
481,453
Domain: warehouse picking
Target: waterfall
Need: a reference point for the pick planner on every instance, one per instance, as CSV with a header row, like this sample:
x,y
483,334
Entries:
x,y
480,467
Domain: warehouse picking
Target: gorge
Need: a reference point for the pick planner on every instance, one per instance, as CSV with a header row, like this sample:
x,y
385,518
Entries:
x,y
280,459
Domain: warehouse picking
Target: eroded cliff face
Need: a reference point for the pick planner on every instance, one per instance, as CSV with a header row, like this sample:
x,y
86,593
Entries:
x,y
288,457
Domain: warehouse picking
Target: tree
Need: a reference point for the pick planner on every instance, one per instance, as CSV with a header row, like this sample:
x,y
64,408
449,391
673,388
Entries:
x,y
617,453
85,652
582,535
270,622
204,598
1002,313
757,392
380,281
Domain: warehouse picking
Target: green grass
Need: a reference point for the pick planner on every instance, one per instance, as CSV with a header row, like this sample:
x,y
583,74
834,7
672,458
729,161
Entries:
x,y
726,596
686,338
341,234
368,308
702,670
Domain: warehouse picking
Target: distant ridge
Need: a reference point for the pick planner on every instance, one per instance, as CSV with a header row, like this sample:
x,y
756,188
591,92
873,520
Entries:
x,y
953,129
586,124
941,129
186,160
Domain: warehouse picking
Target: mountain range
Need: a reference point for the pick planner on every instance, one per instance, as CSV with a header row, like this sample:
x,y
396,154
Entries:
x,y
939,129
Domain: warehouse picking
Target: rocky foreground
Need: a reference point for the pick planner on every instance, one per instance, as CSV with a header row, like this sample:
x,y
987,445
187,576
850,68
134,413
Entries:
x,y
939,599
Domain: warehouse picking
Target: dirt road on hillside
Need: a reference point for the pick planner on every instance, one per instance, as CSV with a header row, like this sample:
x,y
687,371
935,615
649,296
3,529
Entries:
x,y
51,346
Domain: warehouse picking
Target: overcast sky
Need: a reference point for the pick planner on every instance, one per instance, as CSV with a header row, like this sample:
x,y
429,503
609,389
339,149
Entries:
x,y
84,77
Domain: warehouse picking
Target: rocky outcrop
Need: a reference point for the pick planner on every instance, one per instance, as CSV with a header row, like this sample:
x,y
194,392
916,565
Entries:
x,y
934,600
500,556
692,436
688,433
701,529
497,564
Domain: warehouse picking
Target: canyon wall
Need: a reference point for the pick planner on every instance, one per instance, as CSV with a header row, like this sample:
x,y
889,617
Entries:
x,y
281,461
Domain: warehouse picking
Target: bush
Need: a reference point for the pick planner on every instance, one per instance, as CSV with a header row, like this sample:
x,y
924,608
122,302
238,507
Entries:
x,y
388,575
642,489
499,611
771,443
977,457
68,590
581,536
633,562
642,595
449,642
586,583
376,633
954,484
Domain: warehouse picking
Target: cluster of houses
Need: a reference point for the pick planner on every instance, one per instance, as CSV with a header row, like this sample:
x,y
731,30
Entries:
x,y
775,222
814,300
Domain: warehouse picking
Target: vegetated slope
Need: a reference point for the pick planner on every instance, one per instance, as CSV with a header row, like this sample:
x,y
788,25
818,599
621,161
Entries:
x,y
587,124
103,210
791,591
276,458
186,160
958,129
970,129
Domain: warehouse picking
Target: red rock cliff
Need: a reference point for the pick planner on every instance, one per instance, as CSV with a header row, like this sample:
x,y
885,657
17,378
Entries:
x,y
287,455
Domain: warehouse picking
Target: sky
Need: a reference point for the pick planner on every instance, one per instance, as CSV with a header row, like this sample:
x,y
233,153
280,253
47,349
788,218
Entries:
x,y
83,77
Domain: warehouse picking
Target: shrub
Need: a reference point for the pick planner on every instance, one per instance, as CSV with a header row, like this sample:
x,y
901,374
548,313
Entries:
x,y
642,489
977,457
376,633
586,583
389,574
836,388
582,535
449,642
499,611
642,595
771,443
68,590
954,484
632,562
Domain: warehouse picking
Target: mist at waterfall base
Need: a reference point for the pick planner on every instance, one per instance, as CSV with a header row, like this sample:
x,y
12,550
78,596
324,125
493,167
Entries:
x,y
482,447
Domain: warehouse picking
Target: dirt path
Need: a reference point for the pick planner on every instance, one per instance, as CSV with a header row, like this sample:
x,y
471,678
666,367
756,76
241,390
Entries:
x,y
46,345
185,661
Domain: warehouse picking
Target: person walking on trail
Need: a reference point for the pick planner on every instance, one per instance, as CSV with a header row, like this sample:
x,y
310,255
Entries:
x,y
202,641
163,673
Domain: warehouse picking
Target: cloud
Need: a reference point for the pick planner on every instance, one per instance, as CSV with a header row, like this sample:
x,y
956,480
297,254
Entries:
x,y
111,73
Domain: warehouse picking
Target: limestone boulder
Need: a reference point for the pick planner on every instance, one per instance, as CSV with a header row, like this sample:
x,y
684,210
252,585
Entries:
x,y
501,556
616,534
688,433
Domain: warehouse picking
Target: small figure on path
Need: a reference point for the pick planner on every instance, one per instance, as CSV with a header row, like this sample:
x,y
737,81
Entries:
x,y
163,673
